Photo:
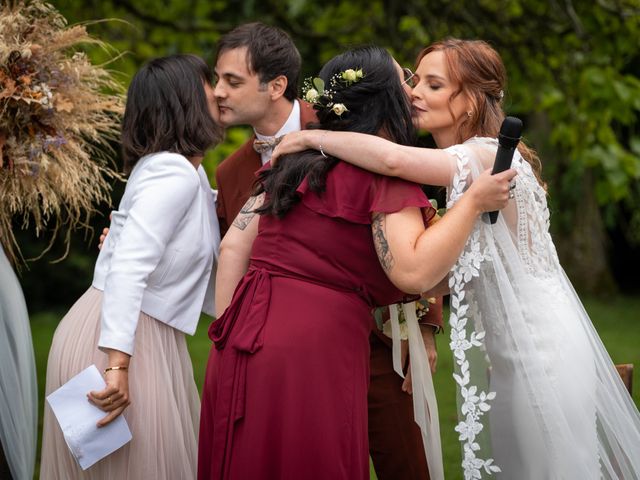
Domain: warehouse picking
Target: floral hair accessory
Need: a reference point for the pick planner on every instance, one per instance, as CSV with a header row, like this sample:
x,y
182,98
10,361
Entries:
x,y
314,90
58,113
351,76
339,109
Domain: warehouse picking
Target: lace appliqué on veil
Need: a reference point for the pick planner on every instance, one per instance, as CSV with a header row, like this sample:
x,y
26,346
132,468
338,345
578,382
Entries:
x,y
475,403
535,246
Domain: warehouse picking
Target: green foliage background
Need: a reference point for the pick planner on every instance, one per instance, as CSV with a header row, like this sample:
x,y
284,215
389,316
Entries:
x,y
573,70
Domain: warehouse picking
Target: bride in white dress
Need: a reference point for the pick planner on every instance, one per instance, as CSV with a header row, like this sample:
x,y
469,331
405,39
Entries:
x,y
538,395
531,370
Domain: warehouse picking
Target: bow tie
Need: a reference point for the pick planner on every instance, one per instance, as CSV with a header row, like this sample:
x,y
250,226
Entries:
x,y
267,145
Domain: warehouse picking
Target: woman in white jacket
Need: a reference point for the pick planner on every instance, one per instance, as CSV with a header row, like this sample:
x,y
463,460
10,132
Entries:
x,y
149,283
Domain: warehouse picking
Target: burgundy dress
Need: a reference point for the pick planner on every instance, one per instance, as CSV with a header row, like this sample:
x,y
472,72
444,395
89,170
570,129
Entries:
x,y
285,393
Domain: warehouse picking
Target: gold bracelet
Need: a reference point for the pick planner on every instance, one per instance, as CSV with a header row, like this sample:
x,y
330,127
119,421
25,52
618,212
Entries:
x,y
118,367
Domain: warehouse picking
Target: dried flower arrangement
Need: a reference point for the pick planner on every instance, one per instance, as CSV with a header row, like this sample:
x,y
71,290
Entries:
x,y
58,113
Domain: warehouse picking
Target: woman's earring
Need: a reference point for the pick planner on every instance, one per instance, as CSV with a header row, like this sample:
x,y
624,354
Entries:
x,y
469,113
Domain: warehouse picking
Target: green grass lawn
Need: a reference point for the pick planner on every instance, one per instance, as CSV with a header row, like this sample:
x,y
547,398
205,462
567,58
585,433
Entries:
x,y
617,321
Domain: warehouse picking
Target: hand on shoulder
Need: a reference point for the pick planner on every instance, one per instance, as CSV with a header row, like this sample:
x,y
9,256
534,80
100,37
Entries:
x,y
295,142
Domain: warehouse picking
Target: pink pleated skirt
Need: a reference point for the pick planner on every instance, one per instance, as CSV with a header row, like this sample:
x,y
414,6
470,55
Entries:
x,y
165,406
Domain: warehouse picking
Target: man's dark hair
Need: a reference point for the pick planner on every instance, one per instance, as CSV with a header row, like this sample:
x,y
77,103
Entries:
x,y
167,110
270,53
376,104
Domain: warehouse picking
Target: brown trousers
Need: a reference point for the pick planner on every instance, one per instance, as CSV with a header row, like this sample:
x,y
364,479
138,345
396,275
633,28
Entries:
x,y
395,443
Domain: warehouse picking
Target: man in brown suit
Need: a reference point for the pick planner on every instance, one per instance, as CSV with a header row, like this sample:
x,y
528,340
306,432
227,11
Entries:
x,y
257,70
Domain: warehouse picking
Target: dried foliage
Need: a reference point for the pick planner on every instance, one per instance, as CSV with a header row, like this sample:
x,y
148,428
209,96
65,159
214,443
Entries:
x,y
58,113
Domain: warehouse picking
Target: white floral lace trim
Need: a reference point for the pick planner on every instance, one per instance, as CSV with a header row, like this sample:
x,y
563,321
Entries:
x,y
535,246
475,404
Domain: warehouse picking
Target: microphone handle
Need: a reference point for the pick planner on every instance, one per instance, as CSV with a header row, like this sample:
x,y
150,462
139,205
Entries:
x,y
502,163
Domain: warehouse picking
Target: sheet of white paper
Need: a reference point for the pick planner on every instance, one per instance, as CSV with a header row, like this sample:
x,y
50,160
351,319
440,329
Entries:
x,y
78,418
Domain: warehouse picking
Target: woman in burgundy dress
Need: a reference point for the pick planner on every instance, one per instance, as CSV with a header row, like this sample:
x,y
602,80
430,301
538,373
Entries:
x,y
285,394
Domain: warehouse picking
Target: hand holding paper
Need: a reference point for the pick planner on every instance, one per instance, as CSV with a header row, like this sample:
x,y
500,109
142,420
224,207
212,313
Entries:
x,y
114,398
78,419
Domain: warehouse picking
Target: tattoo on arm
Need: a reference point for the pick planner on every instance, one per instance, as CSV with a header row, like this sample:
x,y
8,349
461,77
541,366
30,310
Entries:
x,y
246,213
380,242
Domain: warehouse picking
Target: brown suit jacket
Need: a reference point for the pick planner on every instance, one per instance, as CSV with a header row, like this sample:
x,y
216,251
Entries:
x,y
235,176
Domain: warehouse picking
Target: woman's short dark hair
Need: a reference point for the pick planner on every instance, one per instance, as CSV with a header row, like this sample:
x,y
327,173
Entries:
x,y
167,110
377,104
270,53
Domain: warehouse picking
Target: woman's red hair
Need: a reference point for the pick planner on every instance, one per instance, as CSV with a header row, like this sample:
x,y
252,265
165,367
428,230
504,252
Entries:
x,y
478,71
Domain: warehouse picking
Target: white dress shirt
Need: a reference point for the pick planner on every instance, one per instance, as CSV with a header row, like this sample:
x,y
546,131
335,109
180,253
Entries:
x,y
291,125
160,253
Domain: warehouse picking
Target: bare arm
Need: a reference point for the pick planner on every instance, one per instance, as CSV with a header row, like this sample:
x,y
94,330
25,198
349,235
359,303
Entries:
x,y
415,259
440,290
421,165
235,250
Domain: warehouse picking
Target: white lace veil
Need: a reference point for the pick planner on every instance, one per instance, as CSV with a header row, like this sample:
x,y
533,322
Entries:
x,y
18,388
538,395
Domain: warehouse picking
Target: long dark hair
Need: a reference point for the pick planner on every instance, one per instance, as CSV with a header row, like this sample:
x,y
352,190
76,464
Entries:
x,y
377,104
167,110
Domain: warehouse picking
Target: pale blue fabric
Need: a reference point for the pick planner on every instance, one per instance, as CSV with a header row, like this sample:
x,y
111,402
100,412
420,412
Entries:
x,y
18,387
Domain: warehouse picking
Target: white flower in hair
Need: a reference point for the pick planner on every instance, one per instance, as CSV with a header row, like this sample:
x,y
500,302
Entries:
x,y
339,109
349,75
312,95
314,91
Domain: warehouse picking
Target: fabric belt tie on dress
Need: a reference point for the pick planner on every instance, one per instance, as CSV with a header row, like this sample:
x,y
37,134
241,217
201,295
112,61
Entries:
x,y
251,302
256,284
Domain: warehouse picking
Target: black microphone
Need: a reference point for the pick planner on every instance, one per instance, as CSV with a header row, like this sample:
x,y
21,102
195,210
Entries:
x,y
508,138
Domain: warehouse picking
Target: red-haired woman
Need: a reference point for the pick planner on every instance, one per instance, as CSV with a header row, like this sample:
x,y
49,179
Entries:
x,y
540,397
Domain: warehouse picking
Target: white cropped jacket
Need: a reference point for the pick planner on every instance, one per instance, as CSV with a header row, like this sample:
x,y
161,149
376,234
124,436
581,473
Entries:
x,y
160,254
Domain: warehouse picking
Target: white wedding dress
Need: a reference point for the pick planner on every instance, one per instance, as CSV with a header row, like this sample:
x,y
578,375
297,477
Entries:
x,y
538,396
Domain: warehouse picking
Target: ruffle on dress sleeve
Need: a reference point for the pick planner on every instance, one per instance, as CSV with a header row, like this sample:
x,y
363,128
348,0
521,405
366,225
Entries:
x,y
354,194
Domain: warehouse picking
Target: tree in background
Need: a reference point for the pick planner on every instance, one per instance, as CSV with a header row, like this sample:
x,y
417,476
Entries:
x,y
573,77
